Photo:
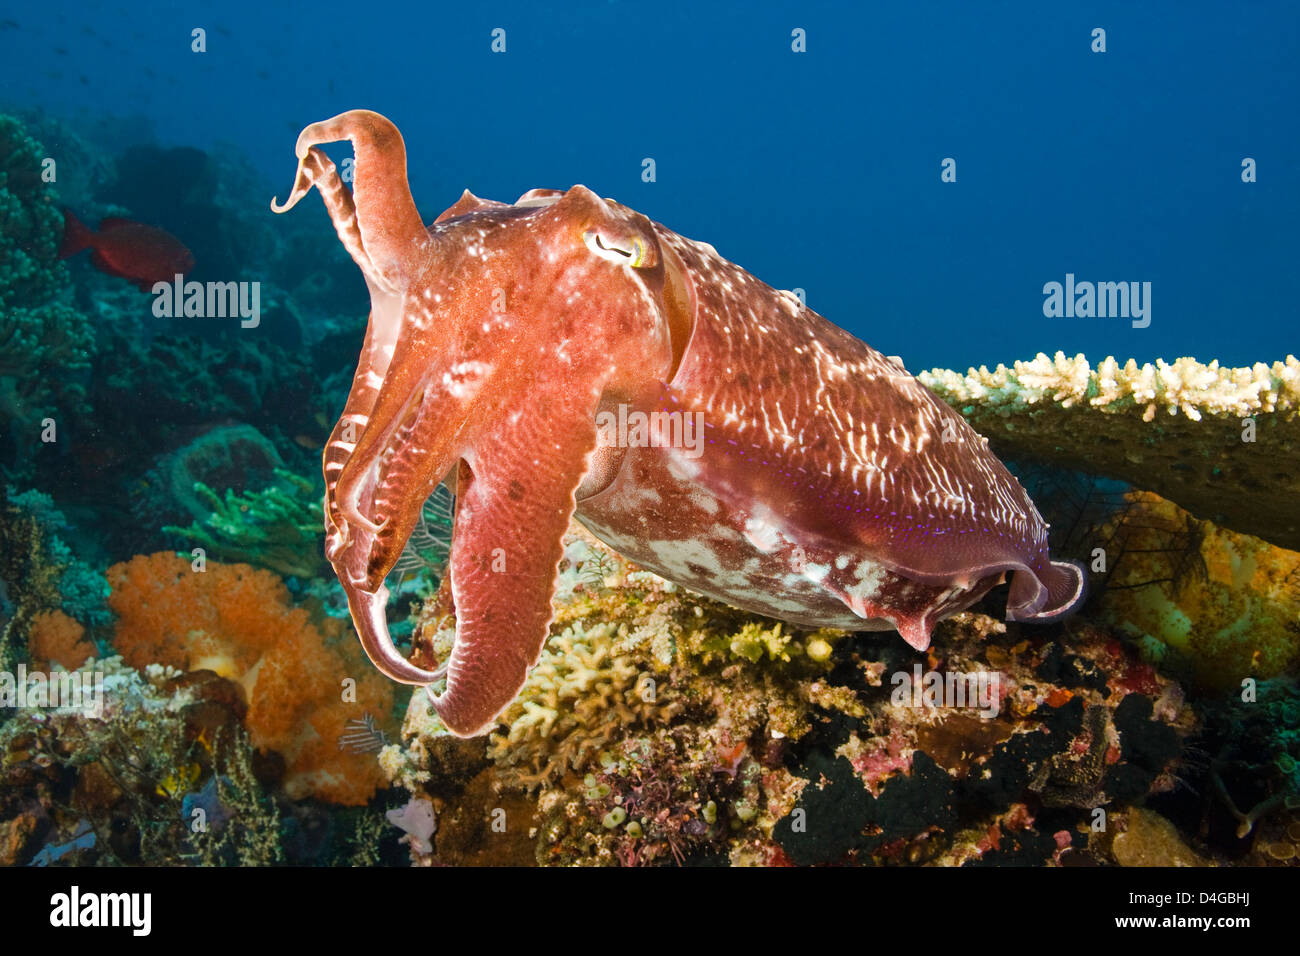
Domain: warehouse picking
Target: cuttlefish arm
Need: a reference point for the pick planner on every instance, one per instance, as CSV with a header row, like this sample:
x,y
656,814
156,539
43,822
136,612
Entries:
x,y
378,222
379,225
521,479
452,381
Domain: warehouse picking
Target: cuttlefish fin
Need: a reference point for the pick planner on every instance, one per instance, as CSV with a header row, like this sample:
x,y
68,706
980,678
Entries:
x,y
377,222
513,506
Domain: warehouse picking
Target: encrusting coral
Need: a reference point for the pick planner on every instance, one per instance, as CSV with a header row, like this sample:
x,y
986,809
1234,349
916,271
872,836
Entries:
x,y
1150,840
1214,605
302,687
1224,443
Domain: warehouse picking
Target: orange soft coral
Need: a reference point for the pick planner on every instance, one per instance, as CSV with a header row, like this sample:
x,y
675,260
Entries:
x,y
56,638
237,620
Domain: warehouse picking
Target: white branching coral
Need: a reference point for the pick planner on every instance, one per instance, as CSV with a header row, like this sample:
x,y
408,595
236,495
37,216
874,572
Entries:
x,y
1223,443
1185,386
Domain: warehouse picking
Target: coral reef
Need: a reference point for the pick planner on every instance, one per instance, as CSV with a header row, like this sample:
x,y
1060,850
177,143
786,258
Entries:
x,y
636,719
1075,730
178,487
1222,443
578,697
124,787
83,592
56,638
1252,772
60,770
29,577
302,686
280,527
661,727
46,344
30,222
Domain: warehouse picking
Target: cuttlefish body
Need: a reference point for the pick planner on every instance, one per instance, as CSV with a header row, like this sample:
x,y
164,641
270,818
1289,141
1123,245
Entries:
x,y
566,356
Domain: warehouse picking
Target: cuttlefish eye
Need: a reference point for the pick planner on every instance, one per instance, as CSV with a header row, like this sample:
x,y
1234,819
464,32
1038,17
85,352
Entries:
x,y
625,250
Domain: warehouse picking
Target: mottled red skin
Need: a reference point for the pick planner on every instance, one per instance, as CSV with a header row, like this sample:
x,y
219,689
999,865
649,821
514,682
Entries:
x,y
830,489
130,250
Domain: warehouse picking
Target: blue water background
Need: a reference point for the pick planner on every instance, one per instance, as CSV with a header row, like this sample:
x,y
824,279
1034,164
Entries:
x,y
818,170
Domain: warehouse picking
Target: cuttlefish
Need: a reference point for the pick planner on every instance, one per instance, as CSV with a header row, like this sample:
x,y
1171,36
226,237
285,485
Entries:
x,y
564,356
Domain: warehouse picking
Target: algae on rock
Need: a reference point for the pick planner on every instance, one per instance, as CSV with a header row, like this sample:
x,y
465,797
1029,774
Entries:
x,y
1213,604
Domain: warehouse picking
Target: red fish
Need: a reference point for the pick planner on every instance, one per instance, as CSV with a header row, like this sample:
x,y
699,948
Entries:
x,y
142,254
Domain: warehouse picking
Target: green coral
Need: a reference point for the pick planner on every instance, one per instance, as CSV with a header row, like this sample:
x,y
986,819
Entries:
x,y
229,456
280,527
30,223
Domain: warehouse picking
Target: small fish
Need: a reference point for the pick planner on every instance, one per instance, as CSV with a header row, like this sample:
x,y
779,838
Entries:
x,y
143,254
180,780
362,736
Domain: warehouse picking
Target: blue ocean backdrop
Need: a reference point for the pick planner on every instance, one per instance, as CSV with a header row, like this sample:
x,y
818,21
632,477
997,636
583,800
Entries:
x,y
820,170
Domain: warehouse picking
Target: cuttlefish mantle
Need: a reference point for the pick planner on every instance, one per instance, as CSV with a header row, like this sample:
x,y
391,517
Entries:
x,y
779,463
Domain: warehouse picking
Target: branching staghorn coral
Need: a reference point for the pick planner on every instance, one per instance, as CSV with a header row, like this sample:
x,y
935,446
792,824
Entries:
x,y
1224,443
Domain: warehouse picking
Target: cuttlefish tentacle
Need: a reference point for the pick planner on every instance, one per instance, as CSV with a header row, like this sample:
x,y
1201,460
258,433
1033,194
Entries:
x,y
421,452
380,227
